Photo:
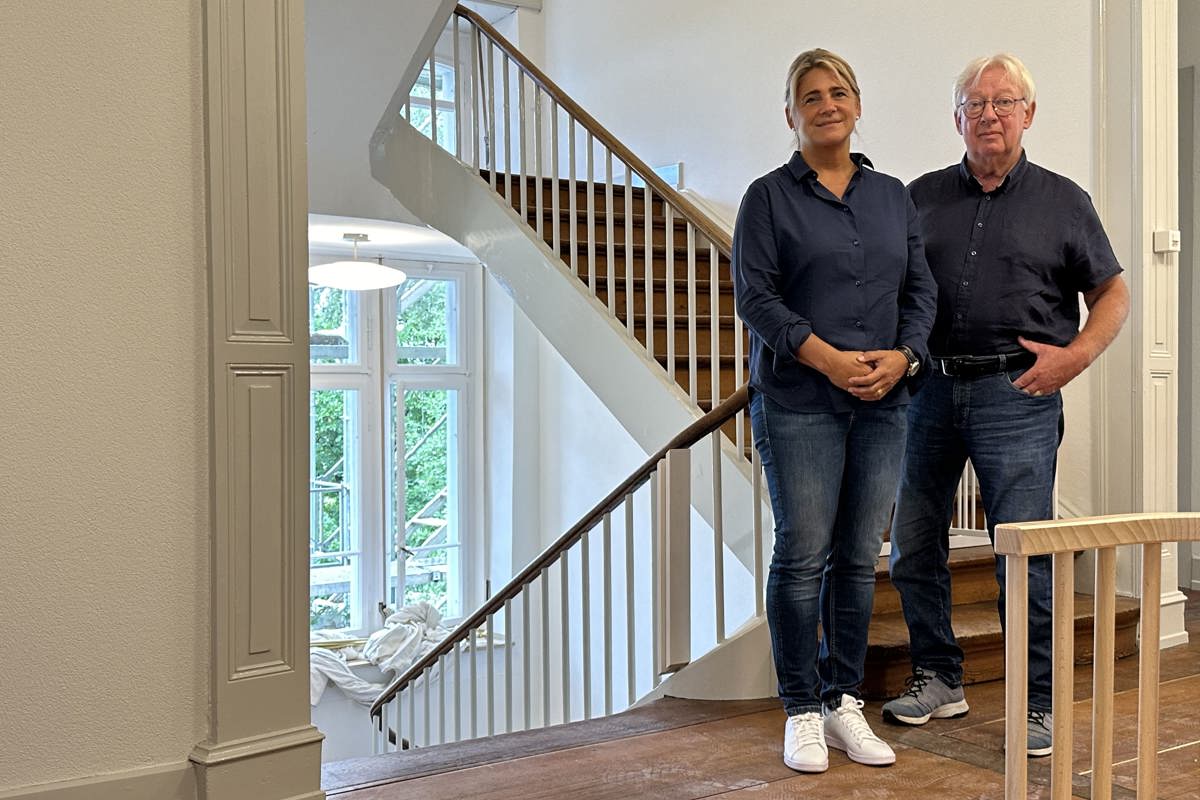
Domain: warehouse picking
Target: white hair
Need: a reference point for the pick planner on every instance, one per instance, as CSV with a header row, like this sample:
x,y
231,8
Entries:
x,y
1014,70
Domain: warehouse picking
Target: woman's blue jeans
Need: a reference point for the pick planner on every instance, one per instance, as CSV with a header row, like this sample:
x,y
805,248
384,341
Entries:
x,y
832,479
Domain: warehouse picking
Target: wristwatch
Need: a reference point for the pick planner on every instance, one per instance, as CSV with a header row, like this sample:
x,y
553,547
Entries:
x,y
913,363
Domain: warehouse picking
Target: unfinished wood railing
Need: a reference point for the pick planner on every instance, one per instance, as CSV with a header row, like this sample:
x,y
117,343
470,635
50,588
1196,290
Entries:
x,y
1063,539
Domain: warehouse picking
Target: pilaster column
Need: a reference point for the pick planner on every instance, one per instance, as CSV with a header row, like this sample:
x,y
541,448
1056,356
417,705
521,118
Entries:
x,y
260,743
1137,386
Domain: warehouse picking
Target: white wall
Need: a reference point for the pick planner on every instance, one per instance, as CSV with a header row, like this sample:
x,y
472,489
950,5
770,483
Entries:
x,y
356,52
702,83
103,439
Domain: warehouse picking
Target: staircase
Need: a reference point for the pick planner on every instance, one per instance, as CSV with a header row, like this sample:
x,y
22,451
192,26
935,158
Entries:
x,y
688,323
976,626
656,271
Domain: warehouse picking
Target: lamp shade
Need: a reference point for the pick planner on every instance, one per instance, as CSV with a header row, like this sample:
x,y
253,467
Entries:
x,y
355,275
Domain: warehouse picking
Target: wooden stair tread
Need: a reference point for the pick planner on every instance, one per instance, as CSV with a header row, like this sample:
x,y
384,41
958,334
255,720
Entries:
x,y
703,321
959,557
975,623
724,285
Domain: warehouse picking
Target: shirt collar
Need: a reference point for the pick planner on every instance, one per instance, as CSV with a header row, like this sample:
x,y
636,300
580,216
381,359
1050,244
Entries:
x,y
801,170
1013,176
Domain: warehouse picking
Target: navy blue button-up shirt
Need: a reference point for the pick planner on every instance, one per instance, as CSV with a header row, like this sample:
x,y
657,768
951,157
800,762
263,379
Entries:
x,y
1010,262
852,271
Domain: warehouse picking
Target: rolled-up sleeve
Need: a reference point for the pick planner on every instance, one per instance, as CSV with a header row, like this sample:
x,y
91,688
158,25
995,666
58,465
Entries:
x,y
918,296
757,278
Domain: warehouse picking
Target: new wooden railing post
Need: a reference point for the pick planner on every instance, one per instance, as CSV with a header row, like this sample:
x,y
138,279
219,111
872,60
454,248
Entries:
x,y
1148,672
1102,672
1016,651
1064,673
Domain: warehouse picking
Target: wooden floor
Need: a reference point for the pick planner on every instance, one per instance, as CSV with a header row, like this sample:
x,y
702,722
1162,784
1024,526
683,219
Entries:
x,y
684,750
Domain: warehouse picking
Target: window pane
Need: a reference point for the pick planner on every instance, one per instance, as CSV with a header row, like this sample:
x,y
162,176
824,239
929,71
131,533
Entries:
x,y
429,530
333,535
445,82
331,326
426,322
331,596
420,118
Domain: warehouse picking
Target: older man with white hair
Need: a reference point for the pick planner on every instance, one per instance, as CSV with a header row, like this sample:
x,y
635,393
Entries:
x,y
1012,246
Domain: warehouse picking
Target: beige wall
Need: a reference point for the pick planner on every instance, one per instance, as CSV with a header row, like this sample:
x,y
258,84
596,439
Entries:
x,y
103,453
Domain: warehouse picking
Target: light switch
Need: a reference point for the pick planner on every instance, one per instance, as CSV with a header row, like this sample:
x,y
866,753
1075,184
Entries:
x,y
1166,241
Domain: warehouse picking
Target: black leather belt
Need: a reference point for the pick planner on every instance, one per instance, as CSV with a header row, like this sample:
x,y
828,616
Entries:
x,y
978,366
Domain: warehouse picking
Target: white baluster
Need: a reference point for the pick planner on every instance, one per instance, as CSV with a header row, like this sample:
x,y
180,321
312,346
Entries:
x,y
718,538
609,241
693,369
630,638
586,592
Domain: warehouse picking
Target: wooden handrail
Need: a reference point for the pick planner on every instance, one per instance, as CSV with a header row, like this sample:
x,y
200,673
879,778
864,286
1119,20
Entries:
x,y
690,212
689,436
1063,538
1084,533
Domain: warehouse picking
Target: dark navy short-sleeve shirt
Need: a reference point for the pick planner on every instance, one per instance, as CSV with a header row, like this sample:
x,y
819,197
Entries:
x,y
1010,262
851,271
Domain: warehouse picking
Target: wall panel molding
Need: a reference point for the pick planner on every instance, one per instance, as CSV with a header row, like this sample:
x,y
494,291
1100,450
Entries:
x,y
260,739
1136,398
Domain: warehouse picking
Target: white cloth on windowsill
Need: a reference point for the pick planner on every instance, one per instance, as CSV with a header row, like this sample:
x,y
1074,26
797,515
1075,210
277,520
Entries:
x,y
405,637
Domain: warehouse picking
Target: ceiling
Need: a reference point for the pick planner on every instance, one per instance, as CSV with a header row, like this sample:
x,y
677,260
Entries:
x,y
396,241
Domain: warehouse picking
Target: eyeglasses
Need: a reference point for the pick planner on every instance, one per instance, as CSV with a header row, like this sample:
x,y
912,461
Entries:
x,y
973,108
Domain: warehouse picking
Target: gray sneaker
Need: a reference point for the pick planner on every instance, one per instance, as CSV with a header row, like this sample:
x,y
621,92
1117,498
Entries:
x,y
925,697
1039,734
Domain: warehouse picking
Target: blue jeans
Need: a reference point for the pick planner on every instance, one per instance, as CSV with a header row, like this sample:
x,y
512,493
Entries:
x,y
1012,440
832,478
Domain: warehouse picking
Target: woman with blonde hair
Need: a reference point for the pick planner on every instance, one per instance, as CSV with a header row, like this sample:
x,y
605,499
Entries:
x,y
831,279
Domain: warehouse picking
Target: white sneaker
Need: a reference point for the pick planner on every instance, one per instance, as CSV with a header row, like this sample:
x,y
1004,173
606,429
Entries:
x,y
804,743
846,729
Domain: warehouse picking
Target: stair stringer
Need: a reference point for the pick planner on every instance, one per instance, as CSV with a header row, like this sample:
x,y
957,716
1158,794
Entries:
x,y
444,193
739,668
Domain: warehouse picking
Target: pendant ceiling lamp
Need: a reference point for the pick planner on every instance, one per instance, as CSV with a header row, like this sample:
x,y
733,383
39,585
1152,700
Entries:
x,y
356,275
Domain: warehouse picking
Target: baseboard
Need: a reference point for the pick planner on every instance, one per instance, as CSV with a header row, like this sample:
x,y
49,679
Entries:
x,y
163,782
277,765
1174,640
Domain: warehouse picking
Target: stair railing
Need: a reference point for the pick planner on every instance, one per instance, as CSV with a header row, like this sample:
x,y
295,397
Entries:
x,y
509,122
593,623
1063,539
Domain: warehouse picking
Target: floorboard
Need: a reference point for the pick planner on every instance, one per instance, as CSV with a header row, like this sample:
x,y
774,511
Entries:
x,y
690,750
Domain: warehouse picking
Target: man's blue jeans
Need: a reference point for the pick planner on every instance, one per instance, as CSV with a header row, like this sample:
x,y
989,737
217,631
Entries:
x,y
832,478
1012,440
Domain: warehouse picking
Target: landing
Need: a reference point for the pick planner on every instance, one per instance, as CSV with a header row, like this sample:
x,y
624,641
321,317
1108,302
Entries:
x,y
685,750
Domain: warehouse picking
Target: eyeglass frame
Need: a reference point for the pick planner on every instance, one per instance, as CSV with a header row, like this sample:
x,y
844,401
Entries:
x,y
984,104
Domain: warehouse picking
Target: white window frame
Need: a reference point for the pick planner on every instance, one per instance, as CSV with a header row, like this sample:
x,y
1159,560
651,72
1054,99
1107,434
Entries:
x,y
372,375
443,106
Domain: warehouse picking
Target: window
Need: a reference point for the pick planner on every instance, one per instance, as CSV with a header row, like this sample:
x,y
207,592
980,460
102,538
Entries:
x,y
438,95
391,428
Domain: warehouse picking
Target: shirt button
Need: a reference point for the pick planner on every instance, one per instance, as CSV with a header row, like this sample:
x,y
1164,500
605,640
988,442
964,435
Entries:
x,y
987,197
858,323
958,316
858,283
972,252
856,242
846,209
965,283
978,224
